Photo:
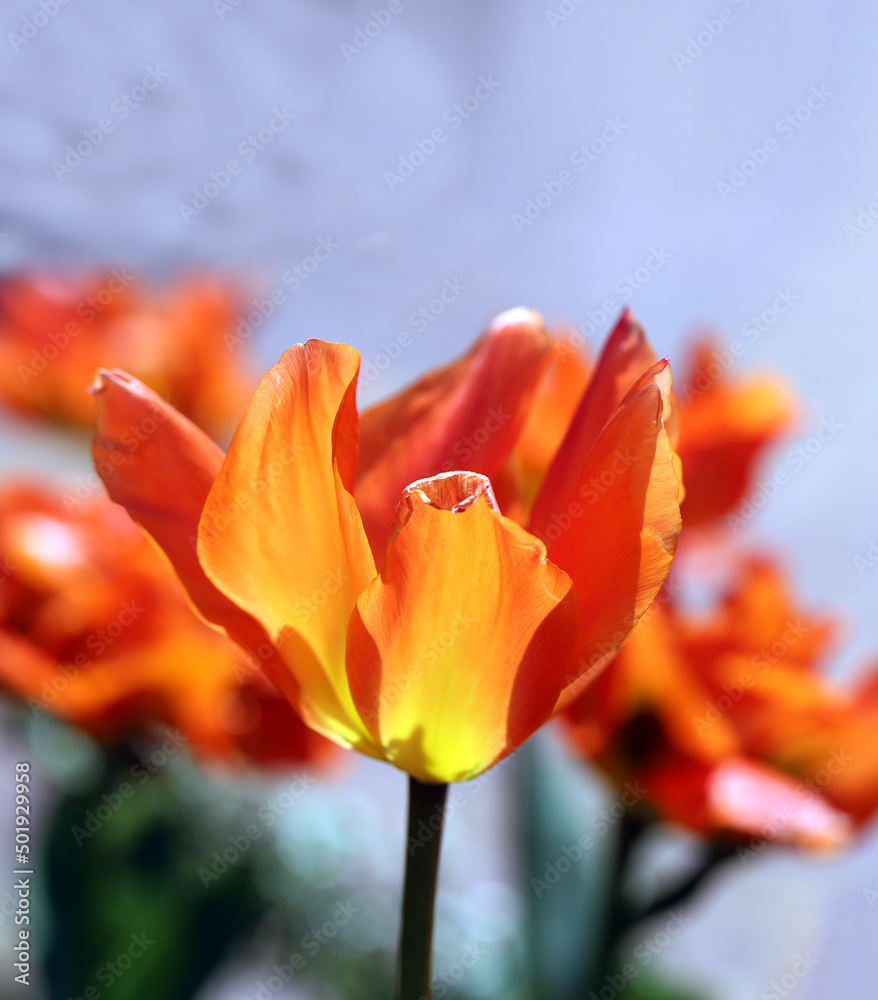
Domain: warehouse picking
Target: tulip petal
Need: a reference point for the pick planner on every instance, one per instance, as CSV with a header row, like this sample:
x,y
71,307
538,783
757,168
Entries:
x,y
456,653
160,467
280,534
465,416
726,426
625,357
755,799
555,404
744,797
617,536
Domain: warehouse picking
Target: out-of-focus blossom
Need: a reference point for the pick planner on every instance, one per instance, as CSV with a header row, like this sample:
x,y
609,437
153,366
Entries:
x,y
55,331
725,426
475,630
727,723
94,630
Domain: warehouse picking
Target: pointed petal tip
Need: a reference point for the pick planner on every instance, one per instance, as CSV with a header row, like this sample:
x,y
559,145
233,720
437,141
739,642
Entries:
x,y
629,323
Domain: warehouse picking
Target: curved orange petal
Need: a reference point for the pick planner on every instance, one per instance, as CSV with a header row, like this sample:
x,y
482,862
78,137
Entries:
x,y
280,534
518,480
464,416
456,653
159,466
617,533
753,798
659,674
725,426
745,798
625,357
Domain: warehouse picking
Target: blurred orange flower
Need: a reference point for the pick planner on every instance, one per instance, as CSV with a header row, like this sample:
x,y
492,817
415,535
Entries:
x,y
725,426
726,721
476,630
54,332
94,630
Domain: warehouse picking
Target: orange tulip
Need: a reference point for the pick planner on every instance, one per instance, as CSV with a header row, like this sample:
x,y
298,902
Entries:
x,y
94,629
54,333
725,426
727,723
410,618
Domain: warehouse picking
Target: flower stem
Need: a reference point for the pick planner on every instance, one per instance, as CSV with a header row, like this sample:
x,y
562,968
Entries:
x,y
424,840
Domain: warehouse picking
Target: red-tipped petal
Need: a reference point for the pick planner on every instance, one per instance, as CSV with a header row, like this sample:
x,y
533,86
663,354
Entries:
x,y
617,535
465,416
626,356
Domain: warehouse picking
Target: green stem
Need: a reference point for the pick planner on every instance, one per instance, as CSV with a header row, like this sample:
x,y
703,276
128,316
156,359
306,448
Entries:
x,y
426,819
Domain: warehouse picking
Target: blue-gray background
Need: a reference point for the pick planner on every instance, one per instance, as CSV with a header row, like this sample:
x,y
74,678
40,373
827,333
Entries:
x,y
694,93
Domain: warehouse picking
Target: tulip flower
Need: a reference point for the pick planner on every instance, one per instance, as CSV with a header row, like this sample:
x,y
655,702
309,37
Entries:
x,y
412,620
726,722
94,630
725,426
398,608
55,332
